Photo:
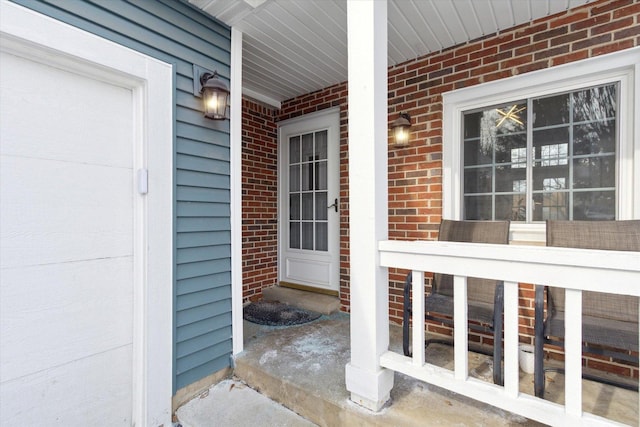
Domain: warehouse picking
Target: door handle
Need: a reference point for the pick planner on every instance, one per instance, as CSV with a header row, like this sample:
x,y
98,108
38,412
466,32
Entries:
x,y
334,205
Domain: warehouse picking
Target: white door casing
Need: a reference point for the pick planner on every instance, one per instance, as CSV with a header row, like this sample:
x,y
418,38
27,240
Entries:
x,y
310,259
80,245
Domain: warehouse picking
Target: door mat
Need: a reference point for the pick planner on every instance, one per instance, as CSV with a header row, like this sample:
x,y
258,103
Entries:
x,y
275,313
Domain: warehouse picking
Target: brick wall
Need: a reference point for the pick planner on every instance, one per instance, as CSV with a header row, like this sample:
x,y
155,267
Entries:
x,y
415,172
259,199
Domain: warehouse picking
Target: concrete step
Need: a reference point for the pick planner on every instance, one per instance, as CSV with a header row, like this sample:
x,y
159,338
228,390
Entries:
x,y
303,368
320,303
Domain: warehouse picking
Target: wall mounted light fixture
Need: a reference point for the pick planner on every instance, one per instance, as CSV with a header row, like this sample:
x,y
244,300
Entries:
x,y
214,93
400,129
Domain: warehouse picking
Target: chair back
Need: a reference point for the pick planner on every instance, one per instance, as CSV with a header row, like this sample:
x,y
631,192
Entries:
x,y
604,235
482,290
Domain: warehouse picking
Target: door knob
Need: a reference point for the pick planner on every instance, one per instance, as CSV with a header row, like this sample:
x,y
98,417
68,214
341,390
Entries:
x,y
334,205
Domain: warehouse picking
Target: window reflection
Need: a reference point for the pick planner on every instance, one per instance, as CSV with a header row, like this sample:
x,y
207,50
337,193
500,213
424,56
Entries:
x,y
519,157
554,155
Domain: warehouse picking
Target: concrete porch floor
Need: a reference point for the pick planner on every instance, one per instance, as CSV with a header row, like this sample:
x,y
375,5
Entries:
x,y
302,368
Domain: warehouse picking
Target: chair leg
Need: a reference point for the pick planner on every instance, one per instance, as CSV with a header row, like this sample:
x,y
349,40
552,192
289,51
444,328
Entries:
x,y
406,316
538,354
498,310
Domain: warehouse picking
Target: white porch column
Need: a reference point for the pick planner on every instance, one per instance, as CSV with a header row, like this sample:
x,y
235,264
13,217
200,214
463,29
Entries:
x,y
236,190
368,383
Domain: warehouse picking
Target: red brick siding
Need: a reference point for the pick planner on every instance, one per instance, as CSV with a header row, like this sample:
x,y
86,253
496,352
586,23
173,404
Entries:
x,y
415,172
259,199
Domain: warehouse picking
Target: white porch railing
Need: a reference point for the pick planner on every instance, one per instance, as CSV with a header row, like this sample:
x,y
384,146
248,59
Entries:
x,y
576,270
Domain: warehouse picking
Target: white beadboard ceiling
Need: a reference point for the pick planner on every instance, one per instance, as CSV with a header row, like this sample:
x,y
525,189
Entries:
x,y
294,47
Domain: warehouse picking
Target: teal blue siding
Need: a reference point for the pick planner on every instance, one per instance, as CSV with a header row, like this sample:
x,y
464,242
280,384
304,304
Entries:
x,y
175,32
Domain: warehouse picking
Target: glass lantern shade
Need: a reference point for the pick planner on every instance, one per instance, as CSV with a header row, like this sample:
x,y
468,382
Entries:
x,y
215,96
400,128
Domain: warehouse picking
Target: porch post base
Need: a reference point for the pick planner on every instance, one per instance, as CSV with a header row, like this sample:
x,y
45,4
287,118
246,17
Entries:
x,y
369,389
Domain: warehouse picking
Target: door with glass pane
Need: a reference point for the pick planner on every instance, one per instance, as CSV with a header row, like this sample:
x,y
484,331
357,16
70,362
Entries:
x,y
309,201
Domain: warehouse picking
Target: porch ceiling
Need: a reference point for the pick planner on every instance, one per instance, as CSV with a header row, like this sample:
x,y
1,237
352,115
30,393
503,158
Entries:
x,y
294,47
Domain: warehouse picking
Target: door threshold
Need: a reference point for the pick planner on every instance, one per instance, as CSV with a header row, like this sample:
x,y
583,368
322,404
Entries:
x,y
321,303
309,289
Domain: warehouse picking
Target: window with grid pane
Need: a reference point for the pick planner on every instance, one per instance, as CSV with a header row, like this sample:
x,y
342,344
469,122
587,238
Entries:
x,y
551,157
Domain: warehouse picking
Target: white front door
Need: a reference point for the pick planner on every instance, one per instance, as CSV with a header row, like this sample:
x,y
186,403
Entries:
x,y
310,201
74,229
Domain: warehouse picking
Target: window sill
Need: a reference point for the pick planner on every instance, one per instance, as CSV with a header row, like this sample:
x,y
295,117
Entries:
x,y
527,234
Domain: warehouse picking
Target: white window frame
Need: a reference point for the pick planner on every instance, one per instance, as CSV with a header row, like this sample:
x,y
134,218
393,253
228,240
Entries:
x,y
622,67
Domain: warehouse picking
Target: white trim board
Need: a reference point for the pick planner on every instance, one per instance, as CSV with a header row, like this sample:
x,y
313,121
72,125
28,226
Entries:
x,y
236,191
37,36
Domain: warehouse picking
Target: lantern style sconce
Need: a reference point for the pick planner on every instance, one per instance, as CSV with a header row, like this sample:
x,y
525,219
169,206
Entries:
x,y
400,129
214,93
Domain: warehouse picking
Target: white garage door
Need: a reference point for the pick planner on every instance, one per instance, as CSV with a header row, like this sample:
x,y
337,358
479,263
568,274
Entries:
x,y
84,338
67,228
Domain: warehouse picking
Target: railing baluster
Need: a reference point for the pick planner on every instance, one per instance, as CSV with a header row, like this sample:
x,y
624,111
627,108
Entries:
x,y
511,372
460,328
417,307
573,352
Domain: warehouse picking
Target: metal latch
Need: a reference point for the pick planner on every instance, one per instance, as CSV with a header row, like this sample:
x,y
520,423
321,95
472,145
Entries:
x,y
143,181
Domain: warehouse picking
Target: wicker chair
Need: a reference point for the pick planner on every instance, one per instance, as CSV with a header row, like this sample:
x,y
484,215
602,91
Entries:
x,y
610,322
485,297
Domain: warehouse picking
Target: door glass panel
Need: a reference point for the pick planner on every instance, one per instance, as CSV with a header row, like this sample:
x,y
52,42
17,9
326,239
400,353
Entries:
x,y
321,236
321,206
294,178
307,147
294,150
294,235
321,175
307,235
294,206
308,197
307,177
321,145
307,206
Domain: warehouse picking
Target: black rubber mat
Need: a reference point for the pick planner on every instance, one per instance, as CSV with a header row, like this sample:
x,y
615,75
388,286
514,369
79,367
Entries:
x,y
274,313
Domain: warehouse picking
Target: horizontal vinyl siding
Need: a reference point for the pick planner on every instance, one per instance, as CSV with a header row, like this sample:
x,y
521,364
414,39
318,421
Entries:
x,y
179,34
